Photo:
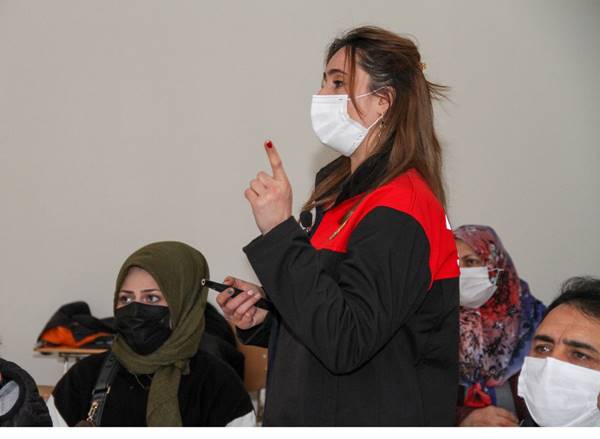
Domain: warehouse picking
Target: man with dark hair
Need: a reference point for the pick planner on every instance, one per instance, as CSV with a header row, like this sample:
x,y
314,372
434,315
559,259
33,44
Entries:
x,y
560,380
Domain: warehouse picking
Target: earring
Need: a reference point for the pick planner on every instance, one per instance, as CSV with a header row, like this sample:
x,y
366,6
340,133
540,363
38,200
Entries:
x,y
380,131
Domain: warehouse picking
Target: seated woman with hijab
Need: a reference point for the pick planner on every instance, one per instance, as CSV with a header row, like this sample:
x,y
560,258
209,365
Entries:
x,y
162,378
498,318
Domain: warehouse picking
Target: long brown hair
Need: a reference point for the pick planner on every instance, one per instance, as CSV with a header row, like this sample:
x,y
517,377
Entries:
x,y
393,63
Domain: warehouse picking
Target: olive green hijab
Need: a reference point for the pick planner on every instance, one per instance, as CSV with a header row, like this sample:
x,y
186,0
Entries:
x,y
178,269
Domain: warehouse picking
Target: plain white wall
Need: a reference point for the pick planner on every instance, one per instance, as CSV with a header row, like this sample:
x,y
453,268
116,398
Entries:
x,y
127,122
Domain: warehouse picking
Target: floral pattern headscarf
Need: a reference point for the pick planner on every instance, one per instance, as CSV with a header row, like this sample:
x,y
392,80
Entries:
x,y
495,338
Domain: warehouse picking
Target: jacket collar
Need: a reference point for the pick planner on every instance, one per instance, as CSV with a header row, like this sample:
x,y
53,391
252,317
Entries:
x,y
372,169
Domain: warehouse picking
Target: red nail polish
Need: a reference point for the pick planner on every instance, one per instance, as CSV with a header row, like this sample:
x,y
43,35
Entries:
x,y
269,144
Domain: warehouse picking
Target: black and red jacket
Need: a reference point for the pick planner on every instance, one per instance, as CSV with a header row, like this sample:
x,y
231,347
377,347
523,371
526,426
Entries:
x,y
365,331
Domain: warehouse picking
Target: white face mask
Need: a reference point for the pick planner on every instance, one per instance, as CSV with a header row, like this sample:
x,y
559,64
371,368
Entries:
x,y
475,287
560,394
334,127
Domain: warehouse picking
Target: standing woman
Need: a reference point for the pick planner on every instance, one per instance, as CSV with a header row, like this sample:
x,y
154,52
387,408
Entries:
x,y
364,326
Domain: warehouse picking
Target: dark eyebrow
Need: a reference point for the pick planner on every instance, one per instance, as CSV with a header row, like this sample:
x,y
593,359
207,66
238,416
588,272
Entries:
x,y
544,338
470,255
580,345
149,290
334,72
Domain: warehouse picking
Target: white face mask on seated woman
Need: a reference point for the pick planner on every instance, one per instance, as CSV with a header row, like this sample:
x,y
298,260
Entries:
x,y
475,286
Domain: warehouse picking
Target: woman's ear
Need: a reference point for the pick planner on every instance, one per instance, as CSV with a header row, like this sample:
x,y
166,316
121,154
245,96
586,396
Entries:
x,y
386,97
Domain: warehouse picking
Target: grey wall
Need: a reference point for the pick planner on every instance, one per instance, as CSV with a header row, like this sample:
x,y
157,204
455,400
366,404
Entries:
x,y
126,122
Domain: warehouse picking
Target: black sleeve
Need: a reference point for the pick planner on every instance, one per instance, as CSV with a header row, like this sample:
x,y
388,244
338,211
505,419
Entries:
x,y
344,321
73,393
230,399
223,351
258,335
217,325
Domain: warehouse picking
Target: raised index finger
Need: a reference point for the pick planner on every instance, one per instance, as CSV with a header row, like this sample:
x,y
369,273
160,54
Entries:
x,y
275,160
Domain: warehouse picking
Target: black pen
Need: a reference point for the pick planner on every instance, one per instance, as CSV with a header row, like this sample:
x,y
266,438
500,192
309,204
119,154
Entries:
x,y
262,303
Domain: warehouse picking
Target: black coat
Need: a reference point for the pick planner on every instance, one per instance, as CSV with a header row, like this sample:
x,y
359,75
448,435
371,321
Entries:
x,y
212,394
219,340
30,409
365,330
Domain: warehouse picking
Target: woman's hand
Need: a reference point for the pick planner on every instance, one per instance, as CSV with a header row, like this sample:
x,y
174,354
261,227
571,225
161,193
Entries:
x,y
240,310
270,196
490,416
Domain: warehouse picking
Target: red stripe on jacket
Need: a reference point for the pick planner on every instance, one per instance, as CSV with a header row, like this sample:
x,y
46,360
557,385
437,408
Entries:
x,y
407,193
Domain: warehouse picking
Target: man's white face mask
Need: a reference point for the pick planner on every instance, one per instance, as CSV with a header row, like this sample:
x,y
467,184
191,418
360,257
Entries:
x,y
475,286
560,394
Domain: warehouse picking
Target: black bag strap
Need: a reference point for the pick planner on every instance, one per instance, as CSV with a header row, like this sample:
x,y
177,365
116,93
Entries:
x,y
109,370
